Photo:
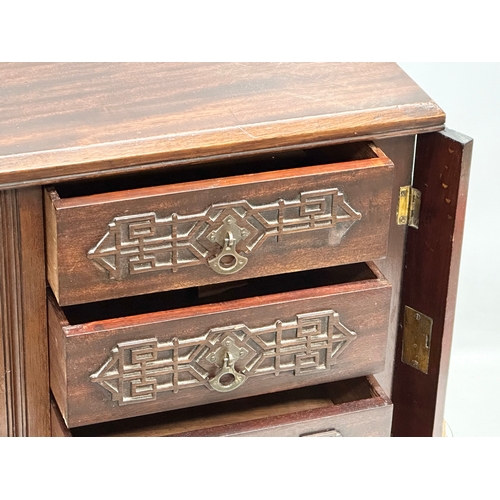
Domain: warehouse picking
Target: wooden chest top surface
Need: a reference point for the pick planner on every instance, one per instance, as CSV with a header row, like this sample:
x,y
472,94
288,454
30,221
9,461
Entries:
x,y
66,120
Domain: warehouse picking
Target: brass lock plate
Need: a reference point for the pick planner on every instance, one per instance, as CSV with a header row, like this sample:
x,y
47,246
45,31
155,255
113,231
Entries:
x,y
417,333
227,236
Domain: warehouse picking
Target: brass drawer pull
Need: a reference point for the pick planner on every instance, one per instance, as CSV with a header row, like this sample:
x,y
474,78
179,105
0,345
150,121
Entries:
x,y
228,261
228,378
327,433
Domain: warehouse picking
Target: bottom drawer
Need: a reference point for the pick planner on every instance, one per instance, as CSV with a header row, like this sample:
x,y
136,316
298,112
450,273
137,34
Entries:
x,y
356,407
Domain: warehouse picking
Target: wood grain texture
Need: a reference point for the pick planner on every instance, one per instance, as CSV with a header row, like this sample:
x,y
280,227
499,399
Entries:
x,y
5,403
356,407
79,350
400,150
61,120
76,225
58,426
23,333
430,278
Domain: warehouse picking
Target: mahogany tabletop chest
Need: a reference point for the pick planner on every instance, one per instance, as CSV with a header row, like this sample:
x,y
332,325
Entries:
x,y
226,249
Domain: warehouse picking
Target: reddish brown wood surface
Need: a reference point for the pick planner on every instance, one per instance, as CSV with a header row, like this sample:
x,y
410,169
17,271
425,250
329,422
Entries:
x,y
356,407
79,350
23,334
430,278
74,119
400,150
58,426
77,225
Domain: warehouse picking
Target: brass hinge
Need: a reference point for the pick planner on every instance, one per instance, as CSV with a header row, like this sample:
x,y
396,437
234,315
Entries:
x,y
409,206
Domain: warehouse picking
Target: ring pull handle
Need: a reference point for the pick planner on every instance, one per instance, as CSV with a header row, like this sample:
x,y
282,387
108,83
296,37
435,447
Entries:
x,y
228,260
326,433
228,378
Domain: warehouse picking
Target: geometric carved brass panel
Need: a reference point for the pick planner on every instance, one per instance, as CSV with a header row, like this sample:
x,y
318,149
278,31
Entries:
x,y
140,370
145,242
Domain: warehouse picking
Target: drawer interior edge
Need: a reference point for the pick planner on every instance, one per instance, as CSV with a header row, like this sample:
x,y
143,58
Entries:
x,y
230,167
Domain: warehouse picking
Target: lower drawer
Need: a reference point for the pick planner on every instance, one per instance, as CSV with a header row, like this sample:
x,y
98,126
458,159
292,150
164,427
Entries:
x,y
356,407
200,346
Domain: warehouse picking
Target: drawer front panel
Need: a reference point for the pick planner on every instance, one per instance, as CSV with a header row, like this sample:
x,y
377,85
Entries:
x,y
119,368
177,236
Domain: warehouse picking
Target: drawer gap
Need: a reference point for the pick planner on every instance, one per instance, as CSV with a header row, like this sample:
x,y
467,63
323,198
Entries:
x,y
268,285
346,391
157,174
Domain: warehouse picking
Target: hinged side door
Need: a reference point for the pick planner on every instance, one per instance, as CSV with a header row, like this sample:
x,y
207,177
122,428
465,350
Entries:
x,y
430,279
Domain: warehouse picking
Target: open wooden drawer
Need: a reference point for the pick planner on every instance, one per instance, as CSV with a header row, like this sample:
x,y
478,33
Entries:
x,y
356,407
142,355
219,222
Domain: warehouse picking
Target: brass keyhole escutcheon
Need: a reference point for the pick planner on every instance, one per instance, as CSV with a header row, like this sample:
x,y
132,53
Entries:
x,y
228,260
228,378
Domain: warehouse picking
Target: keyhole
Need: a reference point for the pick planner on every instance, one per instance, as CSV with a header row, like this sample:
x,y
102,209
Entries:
x,y
227,261
227,379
